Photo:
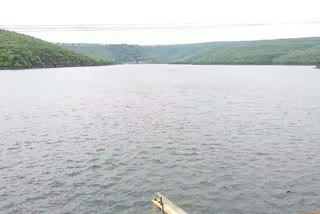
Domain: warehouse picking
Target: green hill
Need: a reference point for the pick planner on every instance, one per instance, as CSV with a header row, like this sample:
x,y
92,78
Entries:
x,y
120,53
305,51
18,51
124,53
301,51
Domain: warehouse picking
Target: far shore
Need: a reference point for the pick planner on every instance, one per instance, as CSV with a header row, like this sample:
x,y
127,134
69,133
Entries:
x,y
93,66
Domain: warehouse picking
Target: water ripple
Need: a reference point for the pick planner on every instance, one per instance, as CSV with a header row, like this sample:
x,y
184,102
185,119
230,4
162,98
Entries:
x,y
214,139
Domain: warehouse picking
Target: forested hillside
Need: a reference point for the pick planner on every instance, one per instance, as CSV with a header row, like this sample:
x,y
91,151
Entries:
x,y
120,53
301,51
304,51
19,51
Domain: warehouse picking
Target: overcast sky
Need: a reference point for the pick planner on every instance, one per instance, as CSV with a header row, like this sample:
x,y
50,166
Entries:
x,y
164,12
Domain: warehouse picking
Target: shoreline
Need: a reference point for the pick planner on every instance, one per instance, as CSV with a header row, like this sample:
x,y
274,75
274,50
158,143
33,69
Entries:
x,y
88,66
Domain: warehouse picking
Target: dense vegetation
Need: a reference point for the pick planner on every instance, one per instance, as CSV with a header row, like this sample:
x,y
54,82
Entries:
x,y
281,52
302,51
120,53
21,51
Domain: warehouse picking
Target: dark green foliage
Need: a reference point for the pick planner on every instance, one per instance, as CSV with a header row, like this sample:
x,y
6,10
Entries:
x,y
120,53
302,51
20,51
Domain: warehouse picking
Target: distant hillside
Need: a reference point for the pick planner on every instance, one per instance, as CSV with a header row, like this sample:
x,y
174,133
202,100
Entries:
x,y
305,51
120,53
19,51
139,54
301,51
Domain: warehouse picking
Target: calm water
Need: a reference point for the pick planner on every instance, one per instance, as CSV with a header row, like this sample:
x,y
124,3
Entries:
x,y
214,139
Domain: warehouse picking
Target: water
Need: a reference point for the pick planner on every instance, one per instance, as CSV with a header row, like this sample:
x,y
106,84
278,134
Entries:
x,y
213,139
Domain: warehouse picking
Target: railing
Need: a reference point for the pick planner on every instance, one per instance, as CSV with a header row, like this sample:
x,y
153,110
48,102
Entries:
x,y
164,205
314,212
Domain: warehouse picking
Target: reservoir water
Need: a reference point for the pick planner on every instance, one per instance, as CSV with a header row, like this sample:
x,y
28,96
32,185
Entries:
x,y
213,139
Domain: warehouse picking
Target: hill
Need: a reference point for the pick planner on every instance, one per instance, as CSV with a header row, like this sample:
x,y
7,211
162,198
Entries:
x,y
18,51
301,51
120,53
304,51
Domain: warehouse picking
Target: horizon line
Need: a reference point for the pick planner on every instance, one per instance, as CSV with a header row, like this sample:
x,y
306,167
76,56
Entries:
x,y
192,43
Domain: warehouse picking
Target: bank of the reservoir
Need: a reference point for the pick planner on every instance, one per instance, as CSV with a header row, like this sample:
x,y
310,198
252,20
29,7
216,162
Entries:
x,y
18,51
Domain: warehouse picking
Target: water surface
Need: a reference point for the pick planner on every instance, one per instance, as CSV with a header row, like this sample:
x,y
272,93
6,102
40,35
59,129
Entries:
x,y
213,139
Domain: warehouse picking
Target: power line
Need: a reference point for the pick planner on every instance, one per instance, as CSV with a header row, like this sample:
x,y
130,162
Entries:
x,y
174,26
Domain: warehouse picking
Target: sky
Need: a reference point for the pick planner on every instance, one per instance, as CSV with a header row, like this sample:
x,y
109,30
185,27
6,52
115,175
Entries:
x,y
275,19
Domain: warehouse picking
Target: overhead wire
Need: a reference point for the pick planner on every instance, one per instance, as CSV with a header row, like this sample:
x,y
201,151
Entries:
x,y
171,26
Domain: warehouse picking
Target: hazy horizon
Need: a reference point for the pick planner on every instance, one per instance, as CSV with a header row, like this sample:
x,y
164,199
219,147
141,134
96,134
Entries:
x,y
100,37
193,43
208,21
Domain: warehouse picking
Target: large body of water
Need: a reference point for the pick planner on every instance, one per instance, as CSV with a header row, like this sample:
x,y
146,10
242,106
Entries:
x,y
213,139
